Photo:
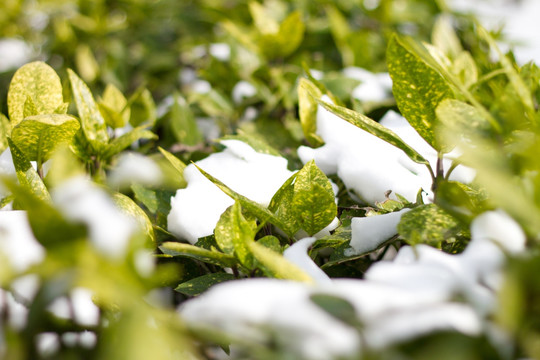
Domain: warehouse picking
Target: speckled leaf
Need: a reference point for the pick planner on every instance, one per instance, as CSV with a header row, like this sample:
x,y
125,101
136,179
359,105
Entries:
x,y
275,265
455,115
128,207
313,201
259,145
307,93
122,142
92,121
27,175
38,81
374,128
233,232
281,205
5,130
113,106
259,211
429,224
200,284
418,88
194,252
38,136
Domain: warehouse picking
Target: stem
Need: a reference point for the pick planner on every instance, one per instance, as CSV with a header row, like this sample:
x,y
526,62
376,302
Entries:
x,y
450,170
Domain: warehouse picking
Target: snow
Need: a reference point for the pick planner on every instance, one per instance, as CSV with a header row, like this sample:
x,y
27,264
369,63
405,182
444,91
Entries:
x,y
369,166
298,255
241,90
17,242
133,167
397,301
14,54
220,51
374,87
196,209
110,230
370,232
520,21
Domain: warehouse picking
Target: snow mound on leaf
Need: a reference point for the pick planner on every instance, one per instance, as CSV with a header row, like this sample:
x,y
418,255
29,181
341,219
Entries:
x,y
399,300
370,166
196,209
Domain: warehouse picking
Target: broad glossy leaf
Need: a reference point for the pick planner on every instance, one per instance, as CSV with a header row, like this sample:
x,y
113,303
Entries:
x,y
200,284
445,38
271,242
374,128
156,201
195,252
233,232
307,95
27,175
455,115
120,143
429,224
93,124
128,207
418,88
291,33
275,265
257,210
282,205
313,200
38,136
113,106
39,82
465,69
143,108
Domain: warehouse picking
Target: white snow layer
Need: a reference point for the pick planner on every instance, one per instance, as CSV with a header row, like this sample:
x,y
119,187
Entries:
x,y
370,166
13,53
519,18
17,242
373,87
398,300
109,229
196,209
133,167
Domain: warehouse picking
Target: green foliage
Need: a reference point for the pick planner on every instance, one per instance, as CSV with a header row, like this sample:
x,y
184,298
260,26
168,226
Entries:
x,y
429,224
37,86
313,199
38,136
200,284
417,88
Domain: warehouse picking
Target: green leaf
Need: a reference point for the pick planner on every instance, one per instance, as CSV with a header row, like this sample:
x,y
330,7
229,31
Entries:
x,y
233,232
465,69
291,34
185,250
92,121
444,37
129,208
282,205
39,82
200,284
29,108
313,201
154,200
429,224
27,176
5,130
114,107
117,145
143,108
418,88
455,115
183,122
176,164
271,242
338,307
307,95
275,265
38,136
374,128
259,211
